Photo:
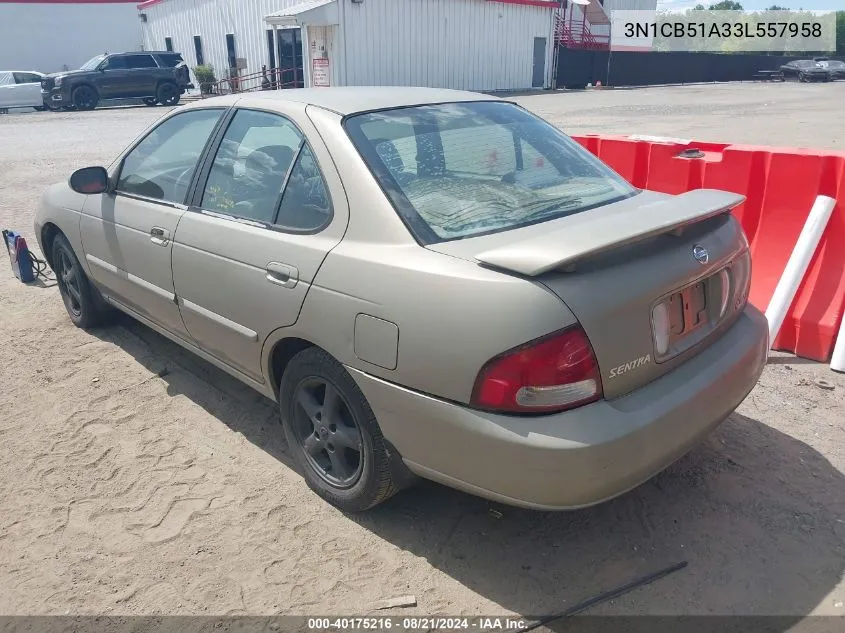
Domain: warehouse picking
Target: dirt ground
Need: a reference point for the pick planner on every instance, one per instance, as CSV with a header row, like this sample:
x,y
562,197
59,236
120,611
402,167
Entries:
x,y
123,491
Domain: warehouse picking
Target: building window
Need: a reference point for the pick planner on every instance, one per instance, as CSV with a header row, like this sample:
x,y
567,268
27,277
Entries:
x,y
198,49
168,44
271,48
230,50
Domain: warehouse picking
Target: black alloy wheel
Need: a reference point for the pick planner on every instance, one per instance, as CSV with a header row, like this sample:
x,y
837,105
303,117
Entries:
x,y
325,429
85,98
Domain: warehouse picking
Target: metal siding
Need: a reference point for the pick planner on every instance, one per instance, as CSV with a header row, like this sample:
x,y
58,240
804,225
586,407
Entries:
x,y
641,5
212,20
465,44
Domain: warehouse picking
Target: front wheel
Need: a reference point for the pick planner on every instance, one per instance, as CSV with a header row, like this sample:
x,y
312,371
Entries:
x,y
168,94
85,98
79,296
333,434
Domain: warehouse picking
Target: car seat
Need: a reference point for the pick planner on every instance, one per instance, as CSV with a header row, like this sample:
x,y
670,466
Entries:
x,y
389,155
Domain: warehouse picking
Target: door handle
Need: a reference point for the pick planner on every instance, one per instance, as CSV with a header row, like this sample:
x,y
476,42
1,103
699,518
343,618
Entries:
x,y
282,274
159,236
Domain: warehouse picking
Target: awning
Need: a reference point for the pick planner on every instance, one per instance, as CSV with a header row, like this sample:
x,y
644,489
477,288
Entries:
x,y
313,12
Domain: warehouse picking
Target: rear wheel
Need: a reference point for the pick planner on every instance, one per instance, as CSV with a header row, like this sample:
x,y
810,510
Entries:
x,y
333,434
150,101
168,94
83,305
85,98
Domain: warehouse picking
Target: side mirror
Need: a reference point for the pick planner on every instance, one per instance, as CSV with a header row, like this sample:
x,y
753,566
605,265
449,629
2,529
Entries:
x,y
89,180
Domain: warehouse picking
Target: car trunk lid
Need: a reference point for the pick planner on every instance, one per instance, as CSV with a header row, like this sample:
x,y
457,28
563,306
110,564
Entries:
x,y
613,265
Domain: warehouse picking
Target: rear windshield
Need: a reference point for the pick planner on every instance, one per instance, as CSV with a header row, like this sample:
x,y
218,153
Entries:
x,y
460,170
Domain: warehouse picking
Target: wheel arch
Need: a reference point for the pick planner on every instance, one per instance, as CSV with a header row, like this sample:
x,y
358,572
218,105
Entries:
x,y
84,84
49,232
280,354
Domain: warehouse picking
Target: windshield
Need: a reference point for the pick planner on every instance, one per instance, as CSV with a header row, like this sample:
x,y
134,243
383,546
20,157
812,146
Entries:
x,y
92,63
460,170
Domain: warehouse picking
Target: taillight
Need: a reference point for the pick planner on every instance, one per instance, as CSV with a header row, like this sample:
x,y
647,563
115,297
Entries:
x,y
555,373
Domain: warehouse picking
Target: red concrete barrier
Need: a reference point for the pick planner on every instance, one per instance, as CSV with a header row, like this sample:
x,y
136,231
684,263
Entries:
x,y
780,185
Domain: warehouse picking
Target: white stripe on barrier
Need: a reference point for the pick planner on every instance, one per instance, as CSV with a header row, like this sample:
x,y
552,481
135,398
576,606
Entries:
x,y
798,263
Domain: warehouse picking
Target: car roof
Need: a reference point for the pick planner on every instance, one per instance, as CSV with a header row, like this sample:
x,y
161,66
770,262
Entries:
x,y
350,99
146,53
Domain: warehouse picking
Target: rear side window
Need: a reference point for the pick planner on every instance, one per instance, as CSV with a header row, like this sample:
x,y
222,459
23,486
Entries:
x,y
140,61
170,61
27,78
265,172
305,205
459,170
162,165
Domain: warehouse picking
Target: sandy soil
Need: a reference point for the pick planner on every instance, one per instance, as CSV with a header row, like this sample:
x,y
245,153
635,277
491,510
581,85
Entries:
x,y
137,479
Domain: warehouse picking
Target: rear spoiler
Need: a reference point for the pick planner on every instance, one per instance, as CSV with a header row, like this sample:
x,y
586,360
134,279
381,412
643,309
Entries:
x,y
591,232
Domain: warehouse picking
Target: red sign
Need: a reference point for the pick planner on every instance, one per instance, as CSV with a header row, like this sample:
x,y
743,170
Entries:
x,y
320,75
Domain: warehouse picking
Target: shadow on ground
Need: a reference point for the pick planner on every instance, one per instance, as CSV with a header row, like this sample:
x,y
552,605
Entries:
x,y
758,515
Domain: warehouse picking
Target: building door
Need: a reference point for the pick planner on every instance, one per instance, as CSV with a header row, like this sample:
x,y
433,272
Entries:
x,y
539,76
290,59
271,50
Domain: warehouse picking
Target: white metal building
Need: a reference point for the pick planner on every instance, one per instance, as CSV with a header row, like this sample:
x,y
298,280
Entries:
x,y
465,44
54,35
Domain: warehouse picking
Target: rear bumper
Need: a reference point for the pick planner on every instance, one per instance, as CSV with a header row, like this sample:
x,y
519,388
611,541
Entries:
x,y
578,458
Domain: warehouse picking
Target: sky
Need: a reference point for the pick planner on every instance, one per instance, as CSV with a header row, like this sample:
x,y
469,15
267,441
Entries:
x,y
756,5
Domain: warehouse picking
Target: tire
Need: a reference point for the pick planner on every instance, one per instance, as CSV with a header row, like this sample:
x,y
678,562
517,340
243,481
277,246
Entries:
x,y
168,94
39,108
82,302
328,464
85,98
150,101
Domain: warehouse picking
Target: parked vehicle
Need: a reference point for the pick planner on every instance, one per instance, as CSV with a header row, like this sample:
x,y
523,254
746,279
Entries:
x,y
20,89
429,282
806,70
154,76
834,67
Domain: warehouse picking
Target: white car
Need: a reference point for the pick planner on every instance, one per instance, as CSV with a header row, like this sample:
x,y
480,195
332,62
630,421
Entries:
x,y
21,89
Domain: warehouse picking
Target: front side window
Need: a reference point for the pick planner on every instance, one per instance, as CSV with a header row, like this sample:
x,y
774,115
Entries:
x,y
114,63
459,170
93,63
162,165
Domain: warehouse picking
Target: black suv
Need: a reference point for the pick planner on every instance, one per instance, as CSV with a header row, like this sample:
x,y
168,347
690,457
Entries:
x,y
155,77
